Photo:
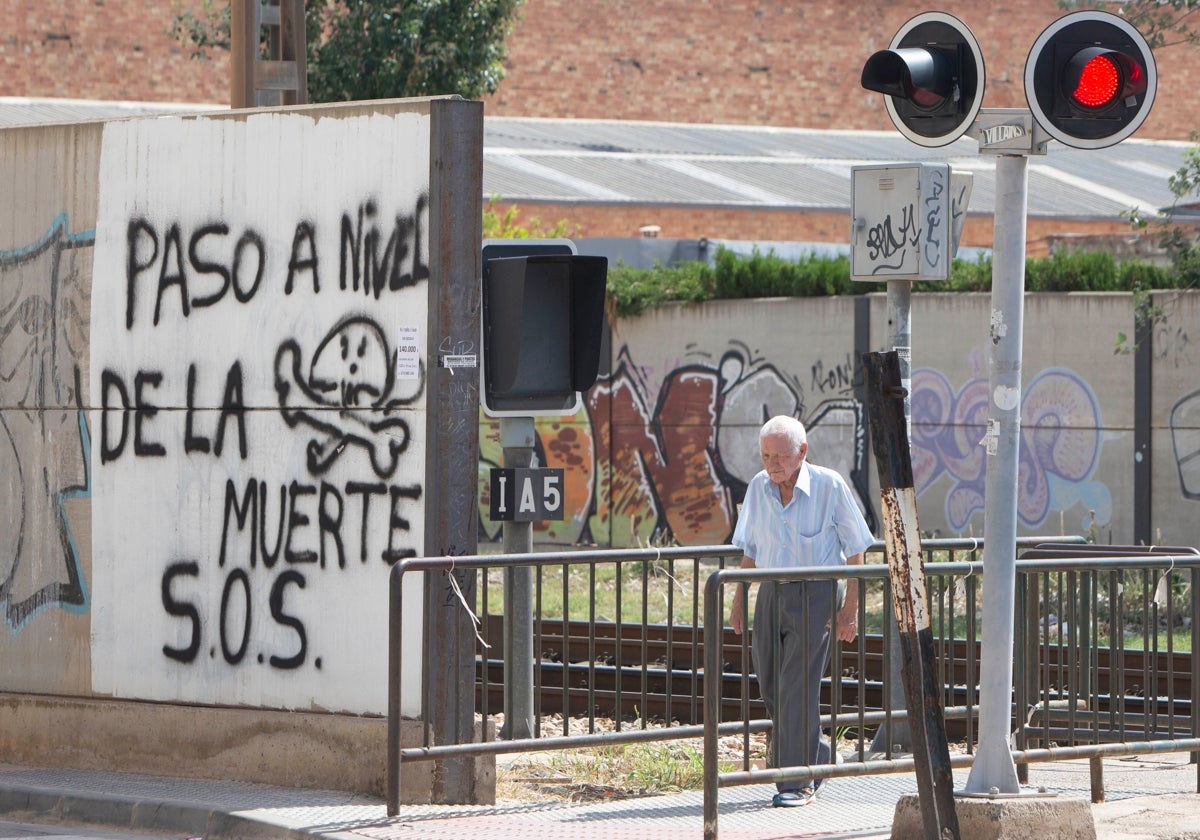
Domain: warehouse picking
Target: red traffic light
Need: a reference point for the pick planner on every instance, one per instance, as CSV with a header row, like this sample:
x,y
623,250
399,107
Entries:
x,y
1090,79
1098,80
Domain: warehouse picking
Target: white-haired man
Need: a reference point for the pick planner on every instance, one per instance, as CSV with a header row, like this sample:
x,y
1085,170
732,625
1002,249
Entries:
x,y
796,514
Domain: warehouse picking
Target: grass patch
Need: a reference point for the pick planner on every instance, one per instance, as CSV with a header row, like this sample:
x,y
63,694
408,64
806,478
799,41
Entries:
x,y
614,771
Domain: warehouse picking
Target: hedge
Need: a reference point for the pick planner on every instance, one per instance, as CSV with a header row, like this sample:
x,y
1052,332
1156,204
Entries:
x,y
632,290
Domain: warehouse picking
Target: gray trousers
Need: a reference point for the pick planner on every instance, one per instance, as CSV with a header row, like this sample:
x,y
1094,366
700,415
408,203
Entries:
x,y
791,651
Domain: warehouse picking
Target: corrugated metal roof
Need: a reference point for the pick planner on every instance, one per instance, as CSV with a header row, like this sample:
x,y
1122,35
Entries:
x,y
800,168
19,110
610,161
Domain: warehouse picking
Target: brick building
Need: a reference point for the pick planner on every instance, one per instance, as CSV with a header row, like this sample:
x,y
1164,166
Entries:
x,y
769,63
103,49
748,63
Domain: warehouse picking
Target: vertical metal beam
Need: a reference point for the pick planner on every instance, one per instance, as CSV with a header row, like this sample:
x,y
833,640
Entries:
x,y
860,478
395,669
517,438
452,431
1143,397
243,52
922,688
714,625
294,48
1196,671
282,79
1096,774
994,769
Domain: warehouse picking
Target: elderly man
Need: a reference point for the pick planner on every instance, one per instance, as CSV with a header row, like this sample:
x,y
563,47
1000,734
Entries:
x,y
796,514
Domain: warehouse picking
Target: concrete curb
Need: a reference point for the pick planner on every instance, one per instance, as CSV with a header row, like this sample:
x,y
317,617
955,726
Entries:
x,y
1150,799
118,811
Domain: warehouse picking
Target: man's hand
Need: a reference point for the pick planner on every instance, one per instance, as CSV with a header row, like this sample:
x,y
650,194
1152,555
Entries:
x,y
847,616
737,615
737,612
847,622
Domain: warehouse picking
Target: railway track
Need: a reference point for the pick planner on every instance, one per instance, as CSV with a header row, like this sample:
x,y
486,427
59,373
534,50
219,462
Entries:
x,y
619,671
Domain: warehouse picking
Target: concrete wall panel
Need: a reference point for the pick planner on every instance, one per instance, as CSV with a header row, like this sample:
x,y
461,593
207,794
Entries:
x,y
47,226
217,338
1175,491
211,451
259,435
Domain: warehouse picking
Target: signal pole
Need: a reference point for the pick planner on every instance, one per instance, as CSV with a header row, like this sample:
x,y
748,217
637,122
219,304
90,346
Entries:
x,y
543,317
1090,81
994,771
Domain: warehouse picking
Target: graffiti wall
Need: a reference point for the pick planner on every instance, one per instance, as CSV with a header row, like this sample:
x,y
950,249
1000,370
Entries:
x,y
667,439
1076,441
216,388
217,378
1175,337
257,454
43,343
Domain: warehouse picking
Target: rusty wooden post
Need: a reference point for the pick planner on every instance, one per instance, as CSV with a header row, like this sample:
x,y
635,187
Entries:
x,y
922,692
1096,774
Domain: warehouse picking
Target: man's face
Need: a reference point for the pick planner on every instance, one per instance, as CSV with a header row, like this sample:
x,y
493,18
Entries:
x,y
780,461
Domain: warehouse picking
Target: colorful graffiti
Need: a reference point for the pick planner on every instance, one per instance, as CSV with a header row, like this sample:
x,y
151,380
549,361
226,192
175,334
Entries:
x,y
642,473
44,444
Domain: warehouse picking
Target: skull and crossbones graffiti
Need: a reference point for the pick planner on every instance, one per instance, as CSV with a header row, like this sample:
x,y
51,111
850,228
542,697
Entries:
x,y
349,395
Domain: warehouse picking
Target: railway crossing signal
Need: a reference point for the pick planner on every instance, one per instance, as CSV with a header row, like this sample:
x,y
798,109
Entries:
x,y
1090,79
543,321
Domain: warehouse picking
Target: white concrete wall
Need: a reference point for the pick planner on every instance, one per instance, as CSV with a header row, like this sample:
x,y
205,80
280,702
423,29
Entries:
x,y
259,436
1077,414
1175,443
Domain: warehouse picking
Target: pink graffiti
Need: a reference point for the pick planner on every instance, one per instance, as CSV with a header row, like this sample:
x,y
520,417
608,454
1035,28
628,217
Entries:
x,y
1060,441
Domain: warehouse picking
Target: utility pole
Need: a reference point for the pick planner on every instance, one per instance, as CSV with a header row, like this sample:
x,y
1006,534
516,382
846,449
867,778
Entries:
x,y
282,77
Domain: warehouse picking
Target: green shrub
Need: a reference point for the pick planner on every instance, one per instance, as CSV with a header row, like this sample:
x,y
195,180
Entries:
x,y
1136,276
1077,271
633,290
759,275
766,275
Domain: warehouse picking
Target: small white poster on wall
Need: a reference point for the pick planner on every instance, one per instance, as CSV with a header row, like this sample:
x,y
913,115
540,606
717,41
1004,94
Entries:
x,y
257,457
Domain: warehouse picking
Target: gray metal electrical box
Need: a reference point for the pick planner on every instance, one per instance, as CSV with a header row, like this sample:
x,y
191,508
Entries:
x,y
902,224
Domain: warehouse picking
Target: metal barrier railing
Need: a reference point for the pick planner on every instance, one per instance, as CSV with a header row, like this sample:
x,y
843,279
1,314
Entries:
x,y
498,563
633,694
1162,703
954,595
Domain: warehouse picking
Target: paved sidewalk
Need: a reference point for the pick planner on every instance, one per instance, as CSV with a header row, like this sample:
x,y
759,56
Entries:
x,y
1148,798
